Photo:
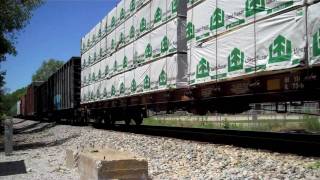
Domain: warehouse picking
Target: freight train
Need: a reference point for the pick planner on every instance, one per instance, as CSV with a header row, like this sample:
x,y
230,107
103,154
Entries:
x,y
197,56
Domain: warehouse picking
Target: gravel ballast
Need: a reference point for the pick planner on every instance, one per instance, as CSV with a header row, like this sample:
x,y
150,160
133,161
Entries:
x,y
42,146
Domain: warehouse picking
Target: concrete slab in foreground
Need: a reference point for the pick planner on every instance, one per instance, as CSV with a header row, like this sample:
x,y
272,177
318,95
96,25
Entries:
x,y
111,164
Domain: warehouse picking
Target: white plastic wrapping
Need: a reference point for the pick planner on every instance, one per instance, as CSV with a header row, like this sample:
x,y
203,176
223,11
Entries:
x,y
103,46
164,73
281,40
104,25
129,50
158,12
142,20
113,65
130,83
98,32
216,16
103,64
120,36
130,30
142,49
192,2
140,3
112,19
142,78
314,34
130,7
121,12
104,89
121,88
236,51
201,16
111,42
122,60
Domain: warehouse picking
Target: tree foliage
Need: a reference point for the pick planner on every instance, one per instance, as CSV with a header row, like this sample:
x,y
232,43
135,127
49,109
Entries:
x,y
47,69
10,101
14,16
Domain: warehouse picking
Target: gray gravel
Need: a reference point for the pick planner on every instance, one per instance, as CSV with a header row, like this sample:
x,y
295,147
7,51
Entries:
x,y
42,147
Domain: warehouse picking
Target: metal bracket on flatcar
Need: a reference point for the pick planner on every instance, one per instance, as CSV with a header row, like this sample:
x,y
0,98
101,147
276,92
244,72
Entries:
x,y
281,111
254,85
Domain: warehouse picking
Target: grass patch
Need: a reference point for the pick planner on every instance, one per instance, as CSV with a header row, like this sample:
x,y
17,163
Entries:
x,y
315,165
309,124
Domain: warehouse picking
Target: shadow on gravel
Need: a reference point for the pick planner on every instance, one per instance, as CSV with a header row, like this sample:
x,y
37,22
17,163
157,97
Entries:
x,y
30,126
37,145
33,128
19,122
12,168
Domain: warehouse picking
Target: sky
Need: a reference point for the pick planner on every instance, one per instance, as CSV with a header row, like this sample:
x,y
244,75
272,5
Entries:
x,y
54,31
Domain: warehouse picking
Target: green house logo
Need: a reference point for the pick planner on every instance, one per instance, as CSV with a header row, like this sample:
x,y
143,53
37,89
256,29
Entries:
x,y
148,51
158,15
121,40
132,31
125,62
235,60
89,59
94,56
99,74
92,95
100,52
89,78
146,82
105,93
254,6
122,14
174,6
98,93
113,22
203,68
93,76
280,50
133,85
115,65
113,90
99,33
316,44
164,44
190,31
132,5
217,19
84,79
106,70
113,44
143,24
163,78
122,88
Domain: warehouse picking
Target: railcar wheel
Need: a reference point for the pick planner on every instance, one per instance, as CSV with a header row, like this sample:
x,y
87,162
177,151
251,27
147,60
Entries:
x,y
127,121
138,119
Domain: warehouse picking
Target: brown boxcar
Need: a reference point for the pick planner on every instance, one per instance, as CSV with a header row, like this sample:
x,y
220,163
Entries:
x,y
23,106
31,100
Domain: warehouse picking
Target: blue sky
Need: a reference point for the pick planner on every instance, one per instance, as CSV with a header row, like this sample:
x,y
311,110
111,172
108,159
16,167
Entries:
x,y
54,31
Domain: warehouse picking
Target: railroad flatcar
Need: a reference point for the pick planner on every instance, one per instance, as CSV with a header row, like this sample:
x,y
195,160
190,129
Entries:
x,y
192,56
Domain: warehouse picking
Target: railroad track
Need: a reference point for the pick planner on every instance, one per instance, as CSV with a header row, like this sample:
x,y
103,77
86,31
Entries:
x,y
297,143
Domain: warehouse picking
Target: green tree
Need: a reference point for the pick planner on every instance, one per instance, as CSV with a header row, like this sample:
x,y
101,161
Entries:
x,y
14,16
10,101
47,69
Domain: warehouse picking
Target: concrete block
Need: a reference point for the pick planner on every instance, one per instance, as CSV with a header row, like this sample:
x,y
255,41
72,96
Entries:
x,y
111,164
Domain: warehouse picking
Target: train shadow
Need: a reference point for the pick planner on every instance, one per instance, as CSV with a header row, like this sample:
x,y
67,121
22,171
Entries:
x,y
36,145
34,128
